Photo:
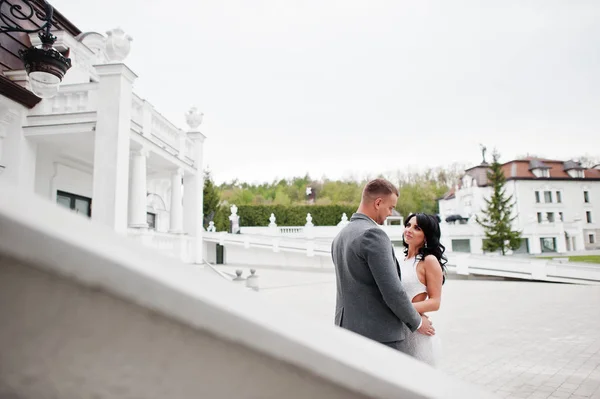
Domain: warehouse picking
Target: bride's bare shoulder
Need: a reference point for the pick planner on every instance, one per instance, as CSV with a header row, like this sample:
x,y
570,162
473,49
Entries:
x,y
431,262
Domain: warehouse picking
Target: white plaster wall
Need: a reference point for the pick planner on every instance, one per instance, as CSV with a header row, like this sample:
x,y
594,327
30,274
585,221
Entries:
x,y
572,205
596,233
44,172
210,252
447,207
71,342
18,153
54,174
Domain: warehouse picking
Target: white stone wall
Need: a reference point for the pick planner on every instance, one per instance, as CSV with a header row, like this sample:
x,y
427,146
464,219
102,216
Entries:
x,y
572,206
17,154
82,343
56,174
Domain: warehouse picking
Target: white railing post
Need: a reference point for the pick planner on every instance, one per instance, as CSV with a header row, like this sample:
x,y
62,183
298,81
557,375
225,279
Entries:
x,y
272,225
308,227
181,150
147,110
538,270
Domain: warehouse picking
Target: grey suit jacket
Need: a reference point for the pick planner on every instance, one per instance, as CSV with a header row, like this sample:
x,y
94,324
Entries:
x,y
370,298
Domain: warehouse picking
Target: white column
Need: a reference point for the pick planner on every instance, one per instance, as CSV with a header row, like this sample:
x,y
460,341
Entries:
x,y
176,202
193,188
111,146
535,245
7,117
138,190
193,201
18,154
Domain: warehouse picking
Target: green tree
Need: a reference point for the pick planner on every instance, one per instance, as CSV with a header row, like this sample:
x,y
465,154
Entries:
x,y
212,199
281,198
241,196
497,220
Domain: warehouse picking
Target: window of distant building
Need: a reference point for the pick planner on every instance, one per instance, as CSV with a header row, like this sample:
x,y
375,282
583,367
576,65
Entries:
x,y
548,244
74,202
151,220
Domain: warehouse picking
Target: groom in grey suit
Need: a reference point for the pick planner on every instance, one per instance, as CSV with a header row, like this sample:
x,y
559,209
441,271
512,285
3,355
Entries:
x,y
370,298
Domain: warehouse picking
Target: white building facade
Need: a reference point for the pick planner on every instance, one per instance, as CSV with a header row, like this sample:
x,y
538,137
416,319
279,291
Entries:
x,y
105,153
556,205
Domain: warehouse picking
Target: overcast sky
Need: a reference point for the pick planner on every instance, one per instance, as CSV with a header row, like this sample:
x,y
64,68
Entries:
x,y
354,88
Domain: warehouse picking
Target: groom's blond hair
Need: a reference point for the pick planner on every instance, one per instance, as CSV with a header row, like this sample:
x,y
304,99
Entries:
x,y
378,188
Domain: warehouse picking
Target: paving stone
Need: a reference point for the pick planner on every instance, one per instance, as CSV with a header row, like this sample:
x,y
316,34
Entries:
x,y
511,337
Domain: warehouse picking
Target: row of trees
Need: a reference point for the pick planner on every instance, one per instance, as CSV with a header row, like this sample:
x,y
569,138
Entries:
x,y
418,190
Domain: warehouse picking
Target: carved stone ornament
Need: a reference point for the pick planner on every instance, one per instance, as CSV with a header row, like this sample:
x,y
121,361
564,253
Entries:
x,y
193,118
118,45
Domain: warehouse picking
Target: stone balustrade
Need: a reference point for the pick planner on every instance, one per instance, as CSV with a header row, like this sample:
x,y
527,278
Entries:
x,y
75,98
178,246
155,127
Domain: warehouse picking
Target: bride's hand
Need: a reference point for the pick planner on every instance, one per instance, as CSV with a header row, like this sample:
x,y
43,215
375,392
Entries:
x,y
426,326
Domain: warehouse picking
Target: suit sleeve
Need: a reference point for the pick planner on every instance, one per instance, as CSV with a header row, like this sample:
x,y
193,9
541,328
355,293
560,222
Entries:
x,y
376,247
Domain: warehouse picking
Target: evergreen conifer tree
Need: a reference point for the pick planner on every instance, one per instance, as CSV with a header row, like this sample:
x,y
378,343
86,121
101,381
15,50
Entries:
x,y
497,219
211,199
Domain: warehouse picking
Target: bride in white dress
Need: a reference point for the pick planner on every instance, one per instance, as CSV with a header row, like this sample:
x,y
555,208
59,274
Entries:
x,y
423,274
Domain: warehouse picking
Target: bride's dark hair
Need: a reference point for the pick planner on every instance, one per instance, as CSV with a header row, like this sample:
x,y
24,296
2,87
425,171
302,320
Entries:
x,y
431,229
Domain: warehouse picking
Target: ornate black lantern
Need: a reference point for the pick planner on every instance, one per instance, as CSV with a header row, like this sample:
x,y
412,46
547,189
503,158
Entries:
x,y
45,66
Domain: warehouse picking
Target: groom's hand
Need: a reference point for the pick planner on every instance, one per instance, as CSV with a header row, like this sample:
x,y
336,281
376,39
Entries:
x,y
426,326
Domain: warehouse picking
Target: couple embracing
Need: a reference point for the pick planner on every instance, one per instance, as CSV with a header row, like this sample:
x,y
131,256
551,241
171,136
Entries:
x,y
378,296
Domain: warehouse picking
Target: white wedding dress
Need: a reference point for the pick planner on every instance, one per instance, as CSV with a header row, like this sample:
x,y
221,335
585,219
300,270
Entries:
x,y
423,347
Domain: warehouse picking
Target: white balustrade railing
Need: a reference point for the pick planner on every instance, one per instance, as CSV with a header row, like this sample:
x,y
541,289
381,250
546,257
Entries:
x,y
155,127
189,149
394,232
175,245
70,99
322,248
83,97
524,268
165,131
137,109
266,251
291,230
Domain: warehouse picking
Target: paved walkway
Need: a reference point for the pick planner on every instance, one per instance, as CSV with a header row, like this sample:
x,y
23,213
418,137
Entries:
x,y
517,339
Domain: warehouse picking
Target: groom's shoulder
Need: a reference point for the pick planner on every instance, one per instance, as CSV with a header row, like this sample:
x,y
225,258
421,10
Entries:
x,y
375,235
